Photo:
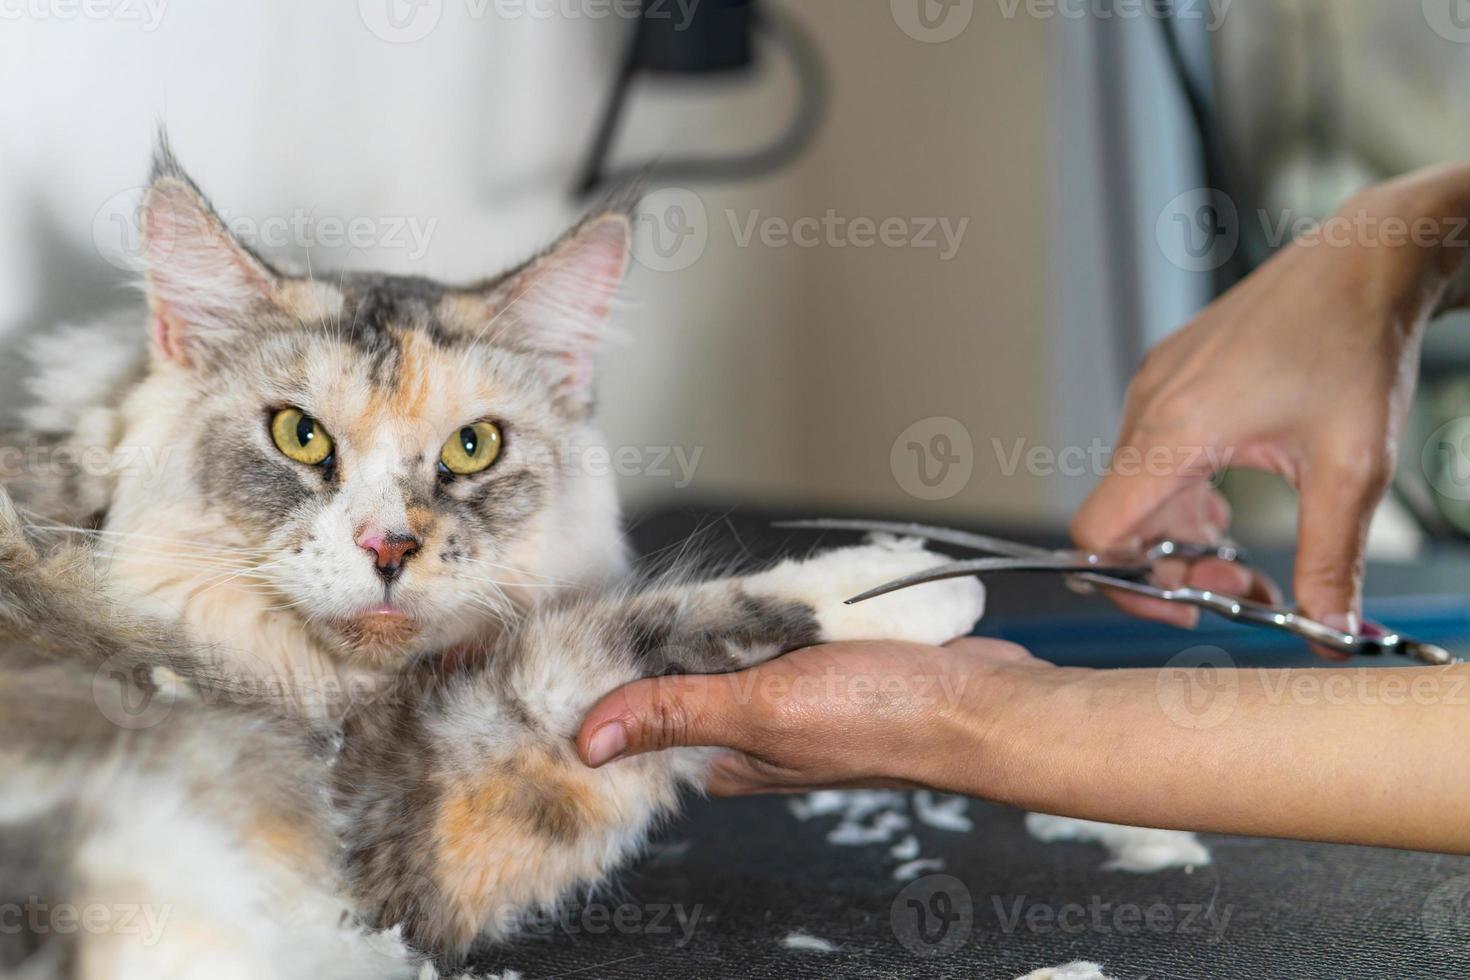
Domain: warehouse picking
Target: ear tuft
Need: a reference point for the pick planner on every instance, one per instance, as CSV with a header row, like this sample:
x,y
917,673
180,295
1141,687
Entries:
x,y
201,282
165,164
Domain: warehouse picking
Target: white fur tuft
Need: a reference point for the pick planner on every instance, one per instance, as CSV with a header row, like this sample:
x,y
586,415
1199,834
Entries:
x,y
934,613
1135,849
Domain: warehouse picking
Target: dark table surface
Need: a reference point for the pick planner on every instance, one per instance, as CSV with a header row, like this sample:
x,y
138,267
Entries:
x,y
729,881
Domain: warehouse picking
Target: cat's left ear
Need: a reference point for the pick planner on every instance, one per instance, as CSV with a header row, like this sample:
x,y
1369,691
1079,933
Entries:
x,y
559,304
203,284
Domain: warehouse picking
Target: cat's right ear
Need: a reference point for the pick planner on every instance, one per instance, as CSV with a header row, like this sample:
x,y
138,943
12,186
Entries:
x,y
202,283
558,305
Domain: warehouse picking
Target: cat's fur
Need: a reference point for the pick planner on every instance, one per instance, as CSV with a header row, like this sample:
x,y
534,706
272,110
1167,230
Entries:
x,y
203,716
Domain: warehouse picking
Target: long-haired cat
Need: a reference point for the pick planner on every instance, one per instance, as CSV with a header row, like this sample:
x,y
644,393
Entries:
x,y
302,701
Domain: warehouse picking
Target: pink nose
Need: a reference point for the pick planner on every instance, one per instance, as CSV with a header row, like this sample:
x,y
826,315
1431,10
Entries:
x,y
390,550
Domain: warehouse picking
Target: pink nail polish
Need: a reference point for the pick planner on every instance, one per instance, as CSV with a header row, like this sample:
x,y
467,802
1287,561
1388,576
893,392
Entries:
x,y
608,742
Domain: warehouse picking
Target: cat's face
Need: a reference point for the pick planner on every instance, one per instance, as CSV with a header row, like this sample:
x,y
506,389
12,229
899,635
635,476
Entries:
x,y
399,456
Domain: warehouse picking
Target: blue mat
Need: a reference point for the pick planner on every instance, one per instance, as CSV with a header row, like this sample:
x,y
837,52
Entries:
x,y
1115,640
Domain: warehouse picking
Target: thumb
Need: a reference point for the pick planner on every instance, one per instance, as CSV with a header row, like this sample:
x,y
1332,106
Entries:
x,y
661,713
1337,505
1133,498
1133,502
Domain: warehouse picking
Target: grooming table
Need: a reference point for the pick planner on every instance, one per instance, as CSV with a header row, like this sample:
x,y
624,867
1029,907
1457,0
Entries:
x,y
747,874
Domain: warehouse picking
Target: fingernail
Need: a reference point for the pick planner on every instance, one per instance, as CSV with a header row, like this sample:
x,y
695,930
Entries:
x,y
1344,623
608,742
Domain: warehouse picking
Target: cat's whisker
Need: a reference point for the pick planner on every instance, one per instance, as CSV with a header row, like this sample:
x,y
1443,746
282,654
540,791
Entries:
x,y
54,527
550,579
484,580
165,561
120,548
239,579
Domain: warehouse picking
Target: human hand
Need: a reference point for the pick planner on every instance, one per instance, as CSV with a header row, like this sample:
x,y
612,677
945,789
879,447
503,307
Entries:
x,y
842,715
1306,370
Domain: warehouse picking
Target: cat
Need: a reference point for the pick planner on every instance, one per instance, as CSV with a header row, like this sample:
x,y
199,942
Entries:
x,y
304,597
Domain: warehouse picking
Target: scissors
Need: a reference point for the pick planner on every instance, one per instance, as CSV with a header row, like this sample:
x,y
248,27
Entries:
x,y
1128,570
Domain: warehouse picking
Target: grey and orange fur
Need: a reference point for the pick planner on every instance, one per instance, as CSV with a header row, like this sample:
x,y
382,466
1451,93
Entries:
x,y
213,705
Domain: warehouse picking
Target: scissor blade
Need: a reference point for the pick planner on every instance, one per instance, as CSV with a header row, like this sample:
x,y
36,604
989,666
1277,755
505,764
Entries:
x,y
1055,564
944,535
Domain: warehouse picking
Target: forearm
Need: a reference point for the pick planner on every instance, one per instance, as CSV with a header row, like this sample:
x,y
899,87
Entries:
x,y
1378,757
1423,221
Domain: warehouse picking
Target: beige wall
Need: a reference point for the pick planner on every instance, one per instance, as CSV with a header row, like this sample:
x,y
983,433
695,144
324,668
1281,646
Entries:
x,y
791,370
796,368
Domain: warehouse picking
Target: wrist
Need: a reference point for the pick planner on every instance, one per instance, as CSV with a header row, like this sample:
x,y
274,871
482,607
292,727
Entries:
x,y
988,745
1417,255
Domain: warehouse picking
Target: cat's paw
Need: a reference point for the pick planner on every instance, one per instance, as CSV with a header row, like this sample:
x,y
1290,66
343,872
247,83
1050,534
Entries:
x,y
933,613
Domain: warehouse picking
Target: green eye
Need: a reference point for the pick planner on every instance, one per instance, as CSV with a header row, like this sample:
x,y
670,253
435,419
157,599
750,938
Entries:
x,y
472,449
300,437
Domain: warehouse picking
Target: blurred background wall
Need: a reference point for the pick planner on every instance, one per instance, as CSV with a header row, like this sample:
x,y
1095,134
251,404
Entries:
x,y
791,370
932,311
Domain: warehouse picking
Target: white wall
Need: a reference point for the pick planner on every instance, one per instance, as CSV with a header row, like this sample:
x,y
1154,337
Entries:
x,y
792,370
